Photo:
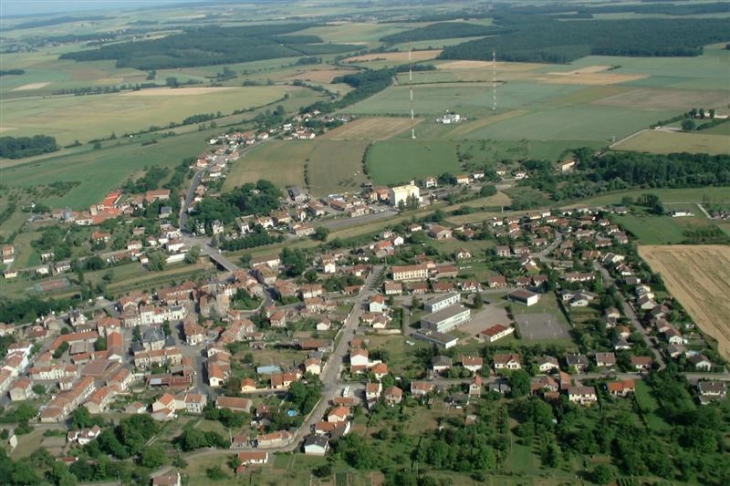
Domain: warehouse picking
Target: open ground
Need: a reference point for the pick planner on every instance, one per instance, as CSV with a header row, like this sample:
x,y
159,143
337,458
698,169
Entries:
x,y
397,161
541,327
699,278
336,166
371,128
281,162
660,142
396,56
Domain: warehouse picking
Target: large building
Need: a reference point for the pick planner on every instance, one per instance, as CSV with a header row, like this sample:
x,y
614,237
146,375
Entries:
x,y
446,319
441,302
400,194
410,272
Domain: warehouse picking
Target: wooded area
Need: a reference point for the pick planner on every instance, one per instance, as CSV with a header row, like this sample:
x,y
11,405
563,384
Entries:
x,y
19,147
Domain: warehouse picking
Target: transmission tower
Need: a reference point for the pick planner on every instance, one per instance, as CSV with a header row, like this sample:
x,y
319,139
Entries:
x,y
410,90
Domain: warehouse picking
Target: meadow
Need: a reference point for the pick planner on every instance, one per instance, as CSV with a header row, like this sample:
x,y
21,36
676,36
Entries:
x,y
399,161
83,118
336,166
655,230
673,196
281,162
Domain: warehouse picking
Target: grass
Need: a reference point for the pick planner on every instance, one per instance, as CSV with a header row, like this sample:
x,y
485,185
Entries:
x,y
281,162
70,118
336,166
398,161
673,142
690,195
652,230
648,404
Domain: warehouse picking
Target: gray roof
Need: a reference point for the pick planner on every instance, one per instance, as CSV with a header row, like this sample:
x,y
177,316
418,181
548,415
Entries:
x,y
316,440
576,359
153,334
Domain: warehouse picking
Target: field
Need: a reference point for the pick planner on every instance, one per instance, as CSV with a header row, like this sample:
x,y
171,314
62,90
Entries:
x,y
673,196
336,166
281,162
655,230
376,128
699,278
395,57
672,142
83,118
397,161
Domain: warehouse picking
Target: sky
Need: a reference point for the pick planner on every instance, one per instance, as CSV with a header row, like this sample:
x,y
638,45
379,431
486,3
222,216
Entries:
x,y
30,7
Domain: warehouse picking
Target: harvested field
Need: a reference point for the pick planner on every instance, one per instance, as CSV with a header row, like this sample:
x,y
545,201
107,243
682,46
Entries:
x,y
666,98
336,166
659,142
324,76
175,91
370,129
281,162
699,278
594,79
583,70
31,86
501,66
396,56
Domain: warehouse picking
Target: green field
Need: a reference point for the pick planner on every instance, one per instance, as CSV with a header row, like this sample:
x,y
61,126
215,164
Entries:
x,y
673,142
691,195
397,161
70,118
660,230
281,162
336,166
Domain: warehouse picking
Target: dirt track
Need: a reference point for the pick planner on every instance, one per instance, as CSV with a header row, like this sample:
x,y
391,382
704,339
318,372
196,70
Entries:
x,y
699,278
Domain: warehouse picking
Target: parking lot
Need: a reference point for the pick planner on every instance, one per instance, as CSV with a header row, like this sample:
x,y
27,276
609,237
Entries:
x,y
541,327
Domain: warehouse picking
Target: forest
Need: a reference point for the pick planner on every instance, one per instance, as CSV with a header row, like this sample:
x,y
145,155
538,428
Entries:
x,y
207,46
623,170
540,39
19,147
443,30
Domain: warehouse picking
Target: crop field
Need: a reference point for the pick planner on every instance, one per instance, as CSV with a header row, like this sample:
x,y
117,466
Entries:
x,y
672,142
397,161
652,99
375,128
336,166
281,162
70,118
699,278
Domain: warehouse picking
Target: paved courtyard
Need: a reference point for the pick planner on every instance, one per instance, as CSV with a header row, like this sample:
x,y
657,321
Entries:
x,y
541,327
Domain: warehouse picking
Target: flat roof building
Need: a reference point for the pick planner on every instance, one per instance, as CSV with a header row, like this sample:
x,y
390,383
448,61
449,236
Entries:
x,y
441,302
446,319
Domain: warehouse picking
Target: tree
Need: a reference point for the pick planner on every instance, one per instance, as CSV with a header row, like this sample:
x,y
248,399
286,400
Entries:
x,y
321,233
602,475
478,301
688,125
156,261
137,334
153,456
519,382
193,255
100,344
39,389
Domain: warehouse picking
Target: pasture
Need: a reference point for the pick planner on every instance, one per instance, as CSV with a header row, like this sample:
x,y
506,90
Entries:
x,y
654,230
336,166
690,195
699,278
70,118
281,162
398,161
660,142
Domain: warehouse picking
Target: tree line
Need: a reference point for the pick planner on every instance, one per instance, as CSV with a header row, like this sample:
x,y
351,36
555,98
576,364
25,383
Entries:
x,y
443,30
19,147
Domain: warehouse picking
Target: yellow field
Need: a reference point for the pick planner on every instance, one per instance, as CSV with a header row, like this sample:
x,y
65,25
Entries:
x,y
281,162
699,278
371,129
658,142
597,79
83,118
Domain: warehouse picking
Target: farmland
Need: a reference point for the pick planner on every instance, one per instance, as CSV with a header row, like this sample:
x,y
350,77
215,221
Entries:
x,y
370,129
397,161
70,118
671,142
699,278
280,162
654,230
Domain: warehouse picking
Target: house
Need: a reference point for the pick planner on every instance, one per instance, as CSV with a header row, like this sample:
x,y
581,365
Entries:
x,y
376,304
605,360
393,395
475,386
507,361
462,179
441,302
170,479
438,232
497,282
524,297
422,388
429,182
409,272
502,251
700,362
495,333
471,363
584,395
621,388
577,363
338,414
547,364
373,391
439,364
234,404
709,390
641,363
359,360
316,445
253,457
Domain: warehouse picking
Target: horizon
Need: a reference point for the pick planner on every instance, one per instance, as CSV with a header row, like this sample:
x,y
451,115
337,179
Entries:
x,y
19,8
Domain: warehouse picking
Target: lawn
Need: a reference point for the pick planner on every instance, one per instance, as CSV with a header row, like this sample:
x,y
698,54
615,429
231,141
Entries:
x,y
336,166
100,171
281,162
399,161
652,230
674,142
648,404
70,118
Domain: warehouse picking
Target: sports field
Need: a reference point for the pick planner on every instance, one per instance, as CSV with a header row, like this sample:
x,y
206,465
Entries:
x,y
281,162
671,142
336,166
699,278
398,161
83,118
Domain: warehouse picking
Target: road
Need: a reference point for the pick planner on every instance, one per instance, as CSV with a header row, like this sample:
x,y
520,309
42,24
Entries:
x,y
629,313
